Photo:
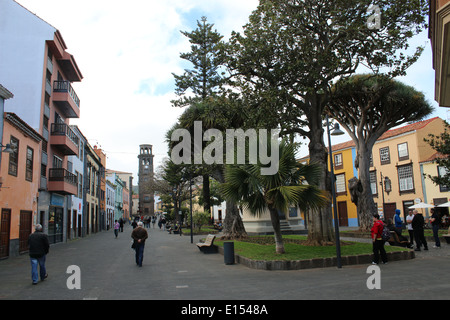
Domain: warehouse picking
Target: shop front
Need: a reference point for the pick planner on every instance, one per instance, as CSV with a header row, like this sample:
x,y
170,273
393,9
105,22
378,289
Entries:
x,y
56,218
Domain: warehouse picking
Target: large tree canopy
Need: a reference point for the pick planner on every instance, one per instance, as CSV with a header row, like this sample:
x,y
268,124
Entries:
x,y
292,51
367,106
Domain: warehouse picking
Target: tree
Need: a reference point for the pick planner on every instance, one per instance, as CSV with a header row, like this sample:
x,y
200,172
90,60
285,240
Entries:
x,y
220,113
441,144
367,106
291,53
175,182
293,185
205,80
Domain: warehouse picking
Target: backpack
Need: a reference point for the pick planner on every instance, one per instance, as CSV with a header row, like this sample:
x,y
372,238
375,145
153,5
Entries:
x,y
386,234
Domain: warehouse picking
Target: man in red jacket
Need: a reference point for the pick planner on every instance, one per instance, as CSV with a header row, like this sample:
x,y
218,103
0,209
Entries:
x,y
377,241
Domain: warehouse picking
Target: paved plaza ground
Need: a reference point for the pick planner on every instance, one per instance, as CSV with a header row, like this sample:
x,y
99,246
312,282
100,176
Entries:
x,y
174,269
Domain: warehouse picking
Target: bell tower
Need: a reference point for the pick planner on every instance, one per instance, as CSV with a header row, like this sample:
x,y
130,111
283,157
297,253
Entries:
x,y
146,194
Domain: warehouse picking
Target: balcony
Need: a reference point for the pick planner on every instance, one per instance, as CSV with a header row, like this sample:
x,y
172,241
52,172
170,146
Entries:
x,y
62,181
64,138
66,99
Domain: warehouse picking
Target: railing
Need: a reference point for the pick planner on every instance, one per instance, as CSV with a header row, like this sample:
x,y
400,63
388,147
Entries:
x,y
62,129
60,174
65,86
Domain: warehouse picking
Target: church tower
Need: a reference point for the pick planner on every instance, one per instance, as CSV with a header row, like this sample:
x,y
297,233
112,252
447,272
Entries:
x,y
146,195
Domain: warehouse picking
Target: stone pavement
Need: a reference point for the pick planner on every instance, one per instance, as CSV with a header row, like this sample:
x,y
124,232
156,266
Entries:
x,y
174,269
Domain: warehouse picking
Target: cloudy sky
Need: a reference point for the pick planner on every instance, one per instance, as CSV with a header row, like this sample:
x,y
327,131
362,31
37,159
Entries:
x,y
127,52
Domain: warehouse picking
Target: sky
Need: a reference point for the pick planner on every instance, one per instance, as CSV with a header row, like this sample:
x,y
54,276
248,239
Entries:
x,y
127,52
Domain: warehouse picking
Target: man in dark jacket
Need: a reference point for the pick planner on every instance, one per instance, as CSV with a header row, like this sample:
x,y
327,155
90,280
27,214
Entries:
x,y
38,249
139,236
417,223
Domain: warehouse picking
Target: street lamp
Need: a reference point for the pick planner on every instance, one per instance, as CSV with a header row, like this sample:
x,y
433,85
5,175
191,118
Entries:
x,y
190,206
336,132
7,147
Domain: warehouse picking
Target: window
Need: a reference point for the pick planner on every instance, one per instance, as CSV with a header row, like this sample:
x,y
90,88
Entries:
x,y
405,178
373,182
57,162
442,171
338,161
13,157
43,170
384,155
340,183
293,212
29,165
81,151
403,151
80,184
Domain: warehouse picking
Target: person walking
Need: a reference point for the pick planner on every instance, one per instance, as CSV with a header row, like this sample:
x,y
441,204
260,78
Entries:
x,y
139,236
116,228
417,223
409,219
38,246
121,224
398,222
377,241
435,223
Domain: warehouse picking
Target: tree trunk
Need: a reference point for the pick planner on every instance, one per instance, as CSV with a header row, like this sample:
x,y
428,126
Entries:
x,y
320,226
279,246
365,205
233,227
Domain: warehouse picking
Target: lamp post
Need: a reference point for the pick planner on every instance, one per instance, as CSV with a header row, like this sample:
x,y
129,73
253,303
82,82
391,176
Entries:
x,y
190,206
7,147
336,132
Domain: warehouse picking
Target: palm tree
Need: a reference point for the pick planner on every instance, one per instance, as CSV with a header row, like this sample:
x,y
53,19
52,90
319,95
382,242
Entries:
x,y
294,184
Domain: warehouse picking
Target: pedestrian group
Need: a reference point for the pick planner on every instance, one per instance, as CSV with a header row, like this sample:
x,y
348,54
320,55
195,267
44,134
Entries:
x,y
415,224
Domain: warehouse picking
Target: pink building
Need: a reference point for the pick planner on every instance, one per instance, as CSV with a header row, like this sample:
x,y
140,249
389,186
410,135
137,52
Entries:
x,y
38,69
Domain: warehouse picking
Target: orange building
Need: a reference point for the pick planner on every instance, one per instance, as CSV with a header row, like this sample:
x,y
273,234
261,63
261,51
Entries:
x,y
19,179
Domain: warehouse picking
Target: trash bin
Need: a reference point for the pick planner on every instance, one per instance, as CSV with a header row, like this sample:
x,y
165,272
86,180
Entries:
x,y
228,252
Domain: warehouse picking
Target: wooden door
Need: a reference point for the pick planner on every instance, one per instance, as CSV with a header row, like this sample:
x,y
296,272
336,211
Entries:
x,y
342,213
5,226
24,230
389,211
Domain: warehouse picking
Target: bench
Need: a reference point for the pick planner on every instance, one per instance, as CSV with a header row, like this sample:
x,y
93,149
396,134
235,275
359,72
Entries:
x,y
208,246
394,240
447,238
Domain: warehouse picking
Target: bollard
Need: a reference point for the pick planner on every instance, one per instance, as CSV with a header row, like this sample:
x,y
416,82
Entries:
x,y
228,252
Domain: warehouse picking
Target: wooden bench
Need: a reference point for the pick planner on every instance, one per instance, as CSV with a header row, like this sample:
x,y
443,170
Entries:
x,y
394,240
208,246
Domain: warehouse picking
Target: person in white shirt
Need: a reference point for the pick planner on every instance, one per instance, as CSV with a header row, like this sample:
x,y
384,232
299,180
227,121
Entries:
x,y
409,226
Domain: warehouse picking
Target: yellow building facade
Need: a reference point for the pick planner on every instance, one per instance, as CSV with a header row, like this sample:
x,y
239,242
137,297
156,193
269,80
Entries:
x,y
403,157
